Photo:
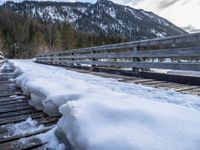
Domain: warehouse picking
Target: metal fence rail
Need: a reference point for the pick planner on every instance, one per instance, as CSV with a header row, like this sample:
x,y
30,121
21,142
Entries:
x,y
177,52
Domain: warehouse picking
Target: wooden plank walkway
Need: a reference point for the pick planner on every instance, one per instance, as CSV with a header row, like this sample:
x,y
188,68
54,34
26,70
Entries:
x,y
182,88
14,108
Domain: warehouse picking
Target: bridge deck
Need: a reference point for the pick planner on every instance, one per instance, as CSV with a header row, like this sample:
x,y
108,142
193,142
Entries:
x,y
182,88
14,108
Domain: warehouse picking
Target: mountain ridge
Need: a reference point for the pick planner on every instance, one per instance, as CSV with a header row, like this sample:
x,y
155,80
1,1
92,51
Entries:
x,y
102,17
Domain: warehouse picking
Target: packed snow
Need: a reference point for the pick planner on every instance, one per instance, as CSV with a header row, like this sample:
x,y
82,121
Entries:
x,y
32,126
101,113
22,128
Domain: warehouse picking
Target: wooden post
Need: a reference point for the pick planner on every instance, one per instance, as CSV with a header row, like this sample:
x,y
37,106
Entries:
x,y
93,59
72,64
59,59
135,70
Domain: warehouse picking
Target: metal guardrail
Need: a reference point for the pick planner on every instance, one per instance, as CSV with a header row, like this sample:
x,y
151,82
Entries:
x,y
177,52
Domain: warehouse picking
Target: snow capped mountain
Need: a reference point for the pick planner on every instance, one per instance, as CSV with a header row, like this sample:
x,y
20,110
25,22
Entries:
x,y
101,17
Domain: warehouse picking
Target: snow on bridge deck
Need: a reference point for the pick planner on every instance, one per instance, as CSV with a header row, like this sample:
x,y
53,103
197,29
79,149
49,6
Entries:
x,y
20,123
103,113
178,87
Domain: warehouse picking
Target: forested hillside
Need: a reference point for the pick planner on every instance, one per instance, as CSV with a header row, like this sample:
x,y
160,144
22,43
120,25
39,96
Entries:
x,y
104,16
24,37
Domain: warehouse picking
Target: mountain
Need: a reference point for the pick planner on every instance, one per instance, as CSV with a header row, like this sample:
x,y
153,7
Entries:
x,y
22,36
102,17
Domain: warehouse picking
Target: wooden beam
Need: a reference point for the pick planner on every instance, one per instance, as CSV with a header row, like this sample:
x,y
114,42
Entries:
x,y
160,65
164,53
152,42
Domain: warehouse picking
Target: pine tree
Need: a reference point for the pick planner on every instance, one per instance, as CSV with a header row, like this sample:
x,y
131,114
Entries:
x,y
38,42
58,39
68,37
38,39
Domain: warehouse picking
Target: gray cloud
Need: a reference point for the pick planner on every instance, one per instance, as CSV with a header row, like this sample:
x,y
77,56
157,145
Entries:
x,y
166,3
191,29
134,2
183,2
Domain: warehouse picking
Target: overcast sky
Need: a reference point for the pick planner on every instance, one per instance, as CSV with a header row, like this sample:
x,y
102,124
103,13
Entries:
x,y
184,13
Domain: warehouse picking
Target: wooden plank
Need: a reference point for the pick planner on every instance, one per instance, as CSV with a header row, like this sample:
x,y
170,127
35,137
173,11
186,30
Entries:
x,y
175,87
20,118
6,138
159,65
165,84
10,99
192,91
19,101
18,113
187,88
40,148
140,81
196,90
13,109
48,120
6,77
6,85
18,104
29,143
9,89
5,82
153,82
164,53
10,94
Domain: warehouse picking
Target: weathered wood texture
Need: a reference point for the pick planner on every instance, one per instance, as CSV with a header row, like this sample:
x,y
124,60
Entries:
x,y
179,53
143,43
14,108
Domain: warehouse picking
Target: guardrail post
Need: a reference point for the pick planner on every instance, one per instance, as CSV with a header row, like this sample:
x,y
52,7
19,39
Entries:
x,y
135,70
72,64
93,59
59,59
51,62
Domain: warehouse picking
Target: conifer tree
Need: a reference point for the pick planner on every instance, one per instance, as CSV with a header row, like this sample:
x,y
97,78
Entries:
x,y
57,39
68,37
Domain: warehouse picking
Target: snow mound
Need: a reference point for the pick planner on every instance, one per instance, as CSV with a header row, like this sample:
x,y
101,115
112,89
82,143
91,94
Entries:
x,y
23,127
129,123
99,113
51,140
7,66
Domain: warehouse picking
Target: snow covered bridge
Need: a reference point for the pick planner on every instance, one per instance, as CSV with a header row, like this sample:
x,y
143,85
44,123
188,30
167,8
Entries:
x,y
166,59
95,100
171,53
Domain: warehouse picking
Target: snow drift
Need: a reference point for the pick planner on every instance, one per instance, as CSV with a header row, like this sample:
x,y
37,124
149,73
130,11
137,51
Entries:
x,y
99,113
